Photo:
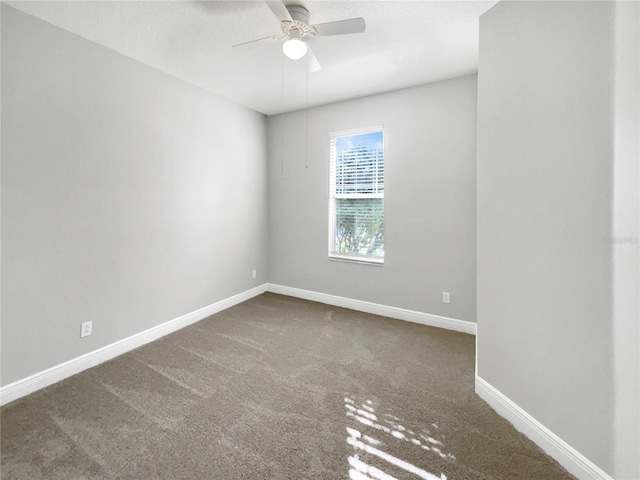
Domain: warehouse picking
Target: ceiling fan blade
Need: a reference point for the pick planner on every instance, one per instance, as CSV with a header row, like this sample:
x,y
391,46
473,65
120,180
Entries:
x,y
279,10
312,62
254,43
340,27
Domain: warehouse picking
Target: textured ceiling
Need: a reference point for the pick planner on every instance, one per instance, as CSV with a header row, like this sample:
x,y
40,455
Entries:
x,y
406,43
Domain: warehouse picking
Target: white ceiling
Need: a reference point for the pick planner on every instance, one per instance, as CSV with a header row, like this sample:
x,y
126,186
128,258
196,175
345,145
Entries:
x,y
406,43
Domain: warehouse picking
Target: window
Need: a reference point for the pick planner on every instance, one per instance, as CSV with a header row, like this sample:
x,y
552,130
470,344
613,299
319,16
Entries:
x,y
356,195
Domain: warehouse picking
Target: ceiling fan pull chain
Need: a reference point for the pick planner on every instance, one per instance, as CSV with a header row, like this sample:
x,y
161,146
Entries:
x,y
306,113
282,124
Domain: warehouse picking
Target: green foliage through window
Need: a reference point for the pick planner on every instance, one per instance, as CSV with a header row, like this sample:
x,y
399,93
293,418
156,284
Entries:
x,y
360,226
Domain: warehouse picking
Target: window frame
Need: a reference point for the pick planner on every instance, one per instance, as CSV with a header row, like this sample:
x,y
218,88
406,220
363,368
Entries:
x,y
333,196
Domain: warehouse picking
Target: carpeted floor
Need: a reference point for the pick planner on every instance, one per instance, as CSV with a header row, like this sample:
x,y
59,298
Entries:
x,y
277,388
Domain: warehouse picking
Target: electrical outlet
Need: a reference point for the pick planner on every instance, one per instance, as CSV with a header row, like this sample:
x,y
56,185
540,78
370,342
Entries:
x,y
446,297
85,329
254,274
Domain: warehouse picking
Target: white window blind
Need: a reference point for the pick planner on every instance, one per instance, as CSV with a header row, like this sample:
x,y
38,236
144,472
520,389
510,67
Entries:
x,y
356,195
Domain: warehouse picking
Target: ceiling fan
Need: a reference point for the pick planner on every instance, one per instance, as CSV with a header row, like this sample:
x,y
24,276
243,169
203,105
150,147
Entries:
x,y
295,26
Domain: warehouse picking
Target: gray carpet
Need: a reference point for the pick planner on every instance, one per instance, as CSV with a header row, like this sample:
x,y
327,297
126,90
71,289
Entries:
x,y
274,388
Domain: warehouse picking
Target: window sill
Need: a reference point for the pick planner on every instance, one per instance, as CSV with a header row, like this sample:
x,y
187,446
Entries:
x,y
376,262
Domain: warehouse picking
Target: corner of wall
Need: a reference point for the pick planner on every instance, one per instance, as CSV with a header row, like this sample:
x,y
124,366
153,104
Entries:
x,y
625,241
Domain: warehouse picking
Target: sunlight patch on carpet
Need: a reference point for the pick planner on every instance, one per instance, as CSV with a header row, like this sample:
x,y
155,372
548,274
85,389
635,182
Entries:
x,y
368,445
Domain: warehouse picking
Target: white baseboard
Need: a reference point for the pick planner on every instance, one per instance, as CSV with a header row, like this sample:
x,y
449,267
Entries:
x,y
567,456
377,309
20,388
37,381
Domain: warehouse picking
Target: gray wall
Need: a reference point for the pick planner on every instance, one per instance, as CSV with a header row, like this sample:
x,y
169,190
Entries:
x,y
546,123
430,206
129,198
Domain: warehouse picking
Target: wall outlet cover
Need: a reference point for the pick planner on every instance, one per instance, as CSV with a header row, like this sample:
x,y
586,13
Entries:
x,y
85,329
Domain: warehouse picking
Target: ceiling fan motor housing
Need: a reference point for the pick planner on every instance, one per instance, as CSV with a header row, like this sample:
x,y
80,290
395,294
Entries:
x,y
299,13
300,22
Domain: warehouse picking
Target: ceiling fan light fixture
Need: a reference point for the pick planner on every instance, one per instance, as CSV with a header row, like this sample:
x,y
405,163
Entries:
x,y
294,48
